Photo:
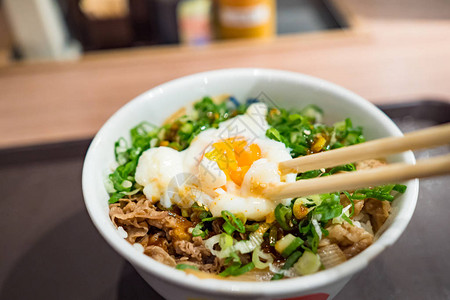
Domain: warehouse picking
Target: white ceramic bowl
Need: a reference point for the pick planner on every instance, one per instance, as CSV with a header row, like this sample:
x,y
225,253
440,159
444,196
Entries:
x,y
285,89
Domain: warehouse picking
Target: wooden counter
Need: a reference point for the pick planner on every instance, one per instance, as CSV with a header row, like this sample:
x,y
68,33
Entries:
x,y
390,54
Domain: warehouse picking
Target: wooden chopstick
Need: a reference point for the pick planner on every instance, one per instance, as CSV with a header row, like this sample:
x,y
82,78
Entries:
x,y
426,138
360,179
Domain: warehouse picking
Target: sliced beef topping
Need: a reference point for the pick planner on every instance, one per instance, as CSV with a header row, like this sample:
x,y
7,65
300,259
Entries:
x,y
351,239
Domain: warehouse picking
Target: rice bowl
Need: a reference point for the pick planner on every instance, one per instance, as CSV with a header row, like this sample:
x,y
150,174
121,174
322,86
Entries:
x,y
276,86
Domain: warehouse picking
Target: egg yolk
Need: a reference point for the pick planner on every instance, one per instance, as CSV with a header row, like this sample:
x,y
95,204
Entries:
x,y
234,157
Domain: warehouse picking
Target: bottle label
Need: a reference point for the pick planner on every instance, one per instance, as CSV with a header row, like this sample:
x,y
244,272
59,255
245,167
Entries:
x,y
244,17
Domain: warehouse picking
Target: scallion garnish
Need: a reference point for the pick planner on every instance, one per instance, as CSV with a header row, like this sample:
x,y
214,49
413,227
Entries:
x,y
290,261
185,266
382,193
236,270
251,228
232,223
198,231
273,234
350,198
283,215
225,241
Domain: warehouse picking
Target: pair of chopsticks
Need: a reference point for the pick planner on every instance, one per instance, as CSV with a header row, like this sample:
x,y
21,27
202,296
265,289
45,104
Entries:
x,y
426,138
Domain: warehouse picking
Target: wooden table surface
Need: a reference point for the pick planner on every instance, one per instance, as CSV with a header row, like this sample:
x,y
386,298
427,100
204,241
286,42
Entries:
x,y
395,51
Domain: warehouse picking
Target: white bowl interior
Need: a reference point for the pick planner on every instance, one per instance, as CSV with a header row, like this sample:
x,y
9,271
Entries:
x,y
284,89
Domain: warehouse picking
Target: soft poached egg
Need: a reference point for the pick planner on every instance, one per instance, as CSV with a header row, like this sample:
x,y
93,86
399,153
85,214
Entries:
x,y
223,169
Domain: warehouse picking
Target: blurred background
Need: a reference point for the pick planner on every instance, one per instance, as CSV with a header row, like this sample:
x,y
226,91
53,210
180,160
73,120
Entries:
x,y
67,65
65,29
386,51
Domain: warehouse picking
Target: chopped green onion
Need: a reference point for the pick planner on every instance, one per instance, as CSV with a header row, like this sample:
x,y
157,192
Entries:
x,y
382,193
120,151
283,215
204,215
288,244
307,230
329,208
288,264
232,223
248,267
116,197
309,174
251,228
313,112
236,270
399,188
184,212
185,266
225,241
209,219
291,260
347,219
277,276
273,234
228,228
343,168
257,254
233,258
197,231
255,239
308,263
349,197
109,186
230,270
187,128
242,217
274,134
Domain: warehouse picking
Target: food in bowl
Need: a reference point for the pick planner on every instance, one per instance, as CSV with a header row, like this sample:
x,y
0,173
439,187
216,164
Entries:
x,y
190,193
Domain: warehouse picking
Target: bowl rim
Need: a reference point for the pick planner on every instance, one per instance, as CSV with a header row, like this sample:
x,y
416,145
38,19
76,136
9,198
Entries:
x,y
280,287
